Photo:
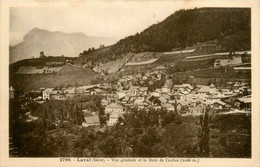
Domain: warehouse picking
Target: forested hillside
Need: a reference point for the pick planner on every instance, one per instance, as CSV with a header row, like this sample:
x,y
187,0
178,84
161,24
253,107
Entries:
x,y
186,28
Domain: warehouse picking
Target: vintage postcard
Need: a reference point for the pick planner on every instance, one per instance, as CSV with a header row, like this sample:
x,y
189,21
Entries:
x,y
123,83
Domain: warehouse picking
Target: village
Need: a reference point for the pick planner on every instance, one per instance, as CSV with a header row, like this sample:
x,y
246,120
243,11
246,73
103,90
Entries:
x,y
152,90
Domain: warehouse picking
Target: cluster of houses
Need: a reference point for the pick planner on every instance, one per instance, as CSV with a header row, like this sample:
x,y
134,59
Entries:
x,y
136,91
184,99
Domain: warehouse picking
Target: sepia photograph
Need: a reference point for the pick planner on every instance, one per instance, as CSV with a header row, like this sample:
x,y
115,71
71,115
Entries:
x,y
130,81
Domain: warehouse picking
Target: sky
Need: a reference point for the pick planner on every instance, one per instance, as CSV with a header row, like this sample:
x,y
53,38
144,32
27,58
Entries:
x,y
108,19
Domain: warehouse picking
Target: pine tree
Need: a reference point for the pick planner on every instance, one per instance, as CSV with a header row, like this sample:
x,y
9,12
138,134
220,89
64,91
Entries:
x,y
77,115
45,117
204,134
175,104
62,116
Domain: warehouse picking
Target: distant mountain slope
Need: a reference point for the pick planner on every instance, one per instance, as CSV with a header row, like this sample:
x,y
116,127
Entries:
x,y
54,44
230,27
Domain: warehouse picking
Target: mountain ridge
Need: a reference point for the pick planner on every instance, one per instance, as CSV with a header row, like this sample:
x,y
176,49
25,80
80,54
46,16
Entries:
x,y
55,44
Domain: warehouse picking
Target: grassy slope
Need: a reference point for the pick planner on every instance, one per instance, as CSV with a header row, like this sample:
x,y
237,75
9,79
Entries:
x,y
114,66
68,76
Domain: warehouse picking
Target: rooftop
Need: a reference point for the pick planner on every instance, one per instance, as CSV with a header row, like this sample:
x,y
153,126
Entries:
x,y
219,102
92,119
143,88
47,90
114,105
183,103
204,89
245,99
167,105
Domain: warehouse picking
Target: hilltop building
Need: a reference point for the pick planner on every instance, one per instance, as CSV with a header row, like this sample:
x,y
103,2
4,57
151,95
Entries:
x,y
230,61
42,55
